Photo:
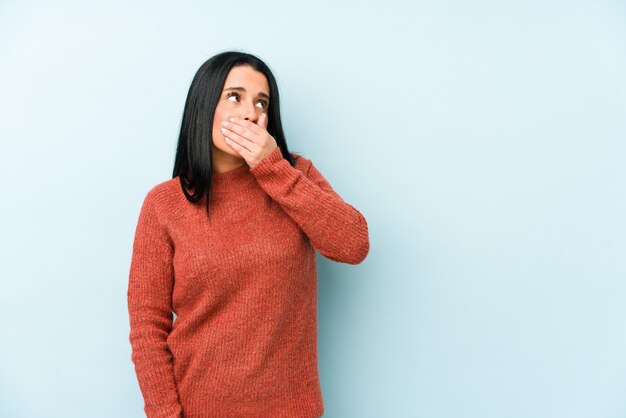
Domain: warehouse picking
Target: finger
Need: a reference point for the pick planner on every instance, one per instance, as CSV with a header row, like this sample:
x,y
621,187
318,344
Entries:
x,y
246,124
231,134
244,152
262,122
240,130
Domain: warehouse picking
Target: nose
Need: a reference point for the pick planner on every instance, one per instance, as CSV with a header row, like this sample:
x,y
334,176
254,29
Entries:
x,y
249,113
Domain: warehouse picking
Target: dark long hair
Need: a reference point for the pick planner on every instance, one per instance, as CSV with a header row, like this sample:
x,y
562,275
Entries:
x,y
193,152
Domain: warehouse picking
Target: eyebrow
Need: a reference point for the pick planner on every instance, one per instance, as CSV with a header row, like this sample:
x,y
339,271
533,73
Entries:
x,y
261,94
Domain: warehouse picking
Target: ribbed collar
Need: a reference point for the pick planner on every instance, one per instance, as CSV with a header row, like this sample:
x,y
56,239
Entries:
x,y
236,180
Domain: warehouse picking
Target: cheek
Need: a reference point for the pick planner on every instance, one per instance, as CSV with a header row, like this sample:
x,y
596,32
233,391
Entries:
x,y
217,124
217,119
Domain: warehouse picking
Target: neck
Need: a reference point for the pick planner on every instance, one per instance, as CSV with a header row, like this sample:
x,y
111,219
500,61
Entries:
x,y
238,179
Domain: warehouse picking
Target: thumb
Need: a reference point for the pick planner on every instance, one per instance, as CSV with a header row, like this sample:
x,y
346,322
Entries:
x,y
262,122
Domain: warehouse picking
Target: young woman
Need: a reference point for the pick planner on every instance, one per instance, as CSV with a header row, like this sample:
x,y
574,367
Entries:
x,y
228,245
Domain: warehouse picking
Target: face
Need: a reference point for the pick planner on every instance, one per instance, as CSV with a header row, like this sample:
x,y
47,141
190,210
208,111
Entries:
x,y
245,95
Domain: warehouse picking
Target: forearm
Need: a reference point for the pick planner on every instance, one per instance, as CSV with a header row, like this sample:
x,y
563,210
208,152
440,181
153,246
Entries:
x,y
335,228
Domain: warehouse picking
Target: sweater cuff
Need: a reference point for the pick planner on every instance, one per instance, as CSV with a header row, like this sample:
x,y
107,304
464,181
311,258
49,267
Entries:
x,y
274,174
267,164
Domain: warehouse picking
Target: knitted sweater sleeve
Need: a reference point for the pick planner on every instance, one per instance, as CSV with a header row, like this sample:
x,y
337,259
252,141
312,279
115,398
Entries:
x,y
149,305
335,228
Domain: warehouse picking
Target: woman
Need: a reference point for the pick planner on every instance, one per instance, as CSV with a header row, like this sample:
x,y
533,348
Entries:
x,y
228,245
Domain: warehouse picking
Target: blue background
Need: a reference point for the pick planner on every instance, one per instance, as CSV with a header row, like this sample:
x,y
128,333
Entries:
x,y
484,142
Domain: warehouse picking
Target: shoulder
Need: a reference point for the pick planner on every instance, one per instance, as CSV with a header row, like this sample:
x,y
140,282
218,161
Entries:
x,y
161,195
163,189
301,162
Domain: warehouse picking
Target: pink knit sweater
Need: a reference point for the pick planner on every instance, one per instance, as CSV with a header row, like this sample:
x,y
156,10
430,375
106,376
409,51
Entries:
x,y
243,288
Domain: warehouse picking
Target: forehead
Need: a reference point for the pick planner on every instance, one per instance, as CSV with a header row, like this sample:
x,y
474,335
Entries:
x,y
247,77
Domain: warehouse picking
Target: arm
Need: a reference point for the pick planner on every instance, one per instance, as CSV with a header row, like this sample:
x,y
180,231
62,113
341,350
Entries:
x,y
336,229
149,306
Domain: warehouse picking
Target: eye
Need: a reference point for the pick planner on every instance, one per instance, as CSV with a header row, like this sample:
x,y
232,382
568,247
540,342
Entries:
x,y
235,94
232,94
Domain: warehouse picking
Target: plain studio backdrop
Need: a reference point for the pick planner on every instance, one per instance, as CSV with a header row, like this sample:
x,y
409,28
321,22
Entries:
x,y
484,142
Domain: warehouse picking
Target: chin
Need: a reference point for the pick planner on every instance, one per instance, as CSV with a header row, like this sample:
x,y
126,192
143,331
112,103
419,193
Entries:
x,y
224,147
